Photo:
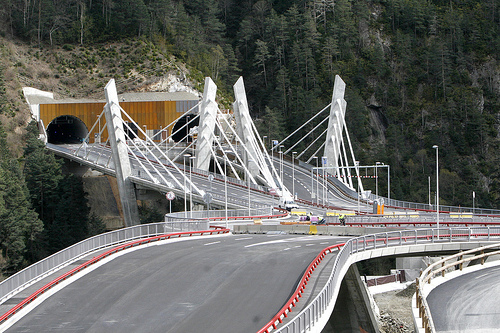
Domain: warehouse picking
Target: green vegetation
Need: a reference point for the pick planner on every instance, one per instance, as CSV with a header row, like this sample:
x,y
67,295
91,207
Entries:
x,y
41,210
58,199
19,223
418,73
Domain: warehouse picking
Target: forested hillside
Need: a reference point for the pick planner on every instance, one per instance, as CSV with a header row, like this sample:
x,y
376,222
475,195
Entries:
x,y
418,72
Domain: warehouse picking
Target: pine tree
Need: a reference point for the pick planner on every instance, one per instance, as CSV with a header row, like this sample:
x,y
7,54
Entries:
x,y
19,223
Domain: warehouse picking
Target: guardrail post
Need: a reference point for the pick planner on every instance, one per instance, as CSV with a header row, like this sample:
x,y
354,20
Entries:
x,y
482,258
442,272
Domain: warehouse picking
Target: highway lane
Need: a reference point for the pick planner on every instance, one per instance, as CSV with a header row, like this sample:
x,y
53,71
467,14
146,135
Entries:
x,y
237,195
468,303
303,188
234,283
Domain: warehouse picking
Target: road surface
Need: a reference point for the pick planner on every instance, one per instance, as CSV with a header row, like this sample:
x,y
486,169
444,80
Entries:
x,y
233,283
468,303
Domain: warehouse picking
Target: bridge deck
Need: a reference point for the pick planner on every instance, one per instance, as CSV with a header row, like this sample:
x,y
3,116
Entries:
x,y
223,284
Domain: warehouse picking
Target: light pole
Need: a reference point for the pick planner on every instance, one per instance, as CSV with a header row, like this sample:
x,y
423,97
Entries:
x,y
210,179
473,202
356,163
317,191
430,205
324,179
264,141
225,185
293,173
376,178
248,184
191,159
281,166
437,185
388,183
185,194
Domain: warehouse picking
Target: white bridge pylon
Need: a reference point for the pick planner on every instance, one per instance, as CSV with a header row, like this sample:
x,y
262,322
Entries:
x,y
232,142
338,156
155,161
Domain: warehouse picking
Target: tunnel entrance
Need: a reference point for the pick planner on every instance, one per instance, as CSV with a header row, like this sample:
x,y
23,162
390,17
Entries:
x,y
181,135
66,129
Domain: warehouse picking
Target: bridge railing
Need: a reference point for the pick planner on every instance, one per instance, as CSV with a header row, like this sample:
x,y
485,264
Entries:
x,y
440,268
219,213
422,218
64,257
313,312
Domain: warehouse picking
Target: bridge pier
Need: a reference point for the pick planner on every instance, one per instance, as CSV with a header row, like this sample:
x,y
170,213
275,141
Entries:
x,y
353,311
120,156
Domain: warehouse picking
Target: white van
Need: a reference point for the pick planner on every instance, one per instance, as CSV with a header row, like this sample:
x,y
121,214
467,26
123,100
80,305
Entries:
x,y
287,203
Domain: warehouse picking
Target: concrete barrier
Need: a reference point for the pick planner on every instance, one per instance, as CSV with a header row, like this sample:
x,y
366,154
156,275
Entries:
x,y
305,229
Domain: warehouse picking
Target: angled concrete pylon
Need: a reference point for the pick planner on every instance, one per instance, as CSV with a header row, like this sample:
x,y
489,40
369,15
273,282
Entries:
x,y
254,157
335,147
119,150
244,127
208,114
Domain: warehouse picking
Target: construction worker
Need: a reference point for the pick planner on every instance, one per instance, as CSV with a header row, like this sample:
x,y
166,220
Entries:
x,y
342,219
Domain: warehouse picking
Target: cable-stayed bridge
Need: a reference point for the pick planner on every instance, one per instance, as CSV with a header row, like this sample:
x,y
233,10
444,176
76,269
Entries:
x,y
223,151
226,283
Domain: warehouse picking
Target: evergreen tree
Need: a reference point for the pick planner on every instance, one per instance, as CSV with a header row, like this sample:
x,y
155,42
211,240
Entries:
x,y
19,223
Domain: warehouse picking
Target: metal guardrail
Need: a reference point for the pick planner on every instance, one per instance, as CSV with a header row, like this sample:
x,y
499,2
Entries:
x,y
62,258
421,218
442,208
231,213
99,257
311,314
440,268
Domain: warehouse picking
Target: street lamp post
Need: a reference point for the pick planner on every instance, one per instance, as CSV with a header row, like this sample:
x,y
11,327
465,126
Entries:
x,y
356,163
473,202
293,174
281,165
248,185
437,185
191,160
210,179
317,191
430,205
388,183
324,184
376,178
185,194
225,185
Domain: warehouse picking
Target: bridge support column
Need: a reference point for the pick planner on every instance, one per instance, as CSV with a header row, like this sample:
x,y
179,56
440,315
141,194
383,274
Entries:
x,y
353,311
208,114
244,126
119,150
336,150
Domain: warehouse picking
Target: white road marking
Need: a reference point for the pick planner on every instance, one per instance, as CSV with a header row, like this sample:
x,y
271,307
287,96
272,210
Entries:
x,y
212,243
243,238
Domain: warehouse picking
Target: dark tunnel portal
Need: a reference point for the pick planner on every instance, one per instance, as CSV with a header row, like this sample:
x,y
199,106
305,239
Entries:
x,y
66,129
181,135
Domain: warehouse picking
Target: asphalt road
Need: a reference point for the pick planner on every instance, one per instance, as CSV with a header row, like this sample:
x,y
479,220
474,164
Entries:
x,y
235,283
469,303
